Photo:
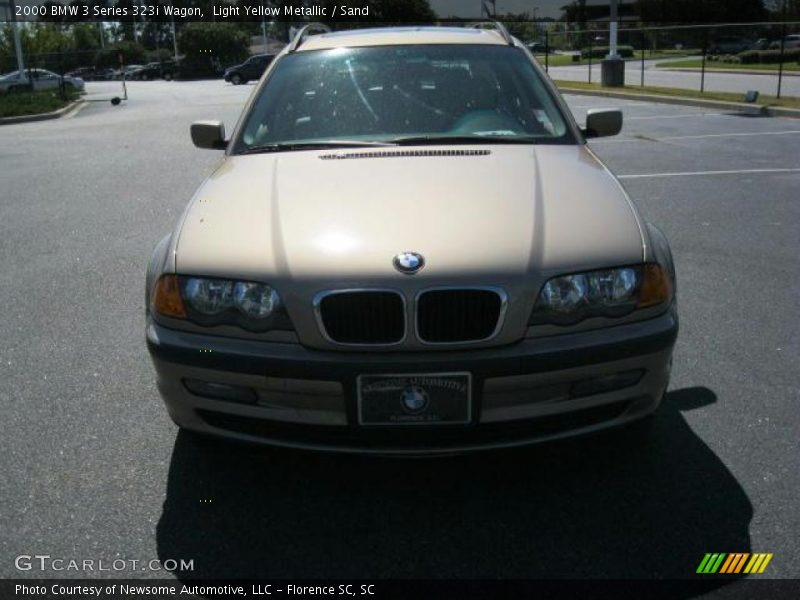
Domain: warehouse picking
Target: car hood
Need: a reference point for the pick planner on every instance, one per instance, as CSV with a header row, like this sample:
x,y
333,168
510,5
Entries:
x,y
494,211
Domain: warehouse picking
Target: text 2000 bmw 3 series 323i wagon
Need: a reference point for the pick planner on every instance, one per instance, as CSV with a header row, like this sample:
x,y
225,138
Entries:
x,y
408,247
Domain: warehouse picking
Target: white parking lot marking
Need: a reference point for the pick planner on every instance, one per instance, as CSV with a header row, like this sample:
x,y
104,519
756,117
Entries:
x,y
680,116
694,137
716,135
696,173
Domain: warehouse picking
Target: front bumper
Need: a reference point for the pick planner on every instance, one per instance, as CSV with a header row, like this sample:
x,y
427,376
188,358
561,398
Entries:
x,y
522,393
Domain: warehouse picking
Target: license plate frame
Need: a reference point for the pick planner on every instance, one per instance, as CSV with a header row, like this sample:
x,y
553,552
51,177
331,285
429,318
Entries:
x,y
446,398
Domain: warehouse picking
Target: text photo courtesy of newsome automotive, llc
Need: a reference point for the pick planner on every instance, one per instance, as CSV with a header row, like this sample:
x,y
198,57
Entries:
x,y
400,299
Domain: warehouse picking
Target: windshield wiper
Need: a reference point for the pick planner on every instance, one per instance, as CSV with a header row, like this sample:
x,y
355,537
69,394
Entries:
x,y
289,146
432,140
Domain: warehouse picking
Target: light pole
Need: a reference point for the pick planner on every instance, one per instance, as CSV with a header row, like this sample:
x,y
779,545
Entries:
x,y
174,38
17,39
612,34
612,69
264,30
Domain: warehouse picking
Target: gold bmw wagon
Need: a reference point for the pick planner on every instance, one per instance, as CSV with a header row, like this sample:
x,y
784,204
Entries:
x,y
408,248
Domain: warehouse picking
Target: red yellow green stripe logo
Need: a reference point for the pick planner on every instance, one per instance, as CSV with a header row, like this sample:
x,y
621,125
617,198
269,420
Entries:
x,y
734,562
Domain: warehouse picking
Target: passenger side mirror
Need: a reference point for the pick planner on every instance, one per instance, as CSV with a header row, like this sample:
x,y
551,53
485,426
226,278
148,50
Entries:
x,y
209,135
602,122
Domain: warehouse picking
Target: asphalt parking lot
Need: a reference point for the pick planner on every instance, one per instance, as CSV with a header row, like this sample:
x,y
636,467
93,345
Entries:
x,y
93,468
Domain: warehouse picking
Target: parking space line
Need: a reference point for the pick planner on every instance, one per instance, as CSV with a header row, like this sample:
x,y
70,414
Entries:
x,y
716,135
700,173
693,137
680,116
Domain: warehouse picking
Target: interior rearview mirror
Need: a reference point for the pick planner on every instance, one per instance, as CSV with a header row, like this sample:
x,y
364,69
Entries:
x,y
602,122
209,134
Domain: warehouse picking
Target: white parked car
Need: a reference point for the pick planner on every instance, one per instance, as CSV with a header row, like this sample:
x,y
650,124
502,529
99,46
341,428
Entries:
x,y
42,80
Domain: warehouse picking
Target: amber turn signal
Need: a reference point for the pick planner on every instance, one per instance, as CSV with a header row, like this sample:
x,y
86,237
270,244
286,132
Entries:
x,y
167,299
656,287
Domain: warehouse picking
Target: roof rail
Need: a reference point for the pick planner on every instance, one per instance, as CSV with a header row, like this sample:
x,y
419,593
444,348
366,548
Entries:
x,y
303,33
497,26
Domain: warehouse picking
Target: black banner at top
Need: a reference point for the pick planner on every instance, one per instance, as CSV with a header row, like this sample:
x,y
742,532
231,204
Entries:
x,y
397,11
562,14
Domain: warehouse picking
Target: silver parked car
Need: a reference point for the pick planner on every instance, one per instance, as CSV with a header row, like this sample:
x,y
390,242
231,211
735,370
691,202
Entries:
x,y
789,42
41,79
408,247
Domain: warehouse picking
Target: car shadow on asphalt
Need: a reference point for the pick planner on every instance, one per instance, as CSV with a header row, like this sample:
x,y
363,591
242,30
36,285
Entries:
x,y
641,502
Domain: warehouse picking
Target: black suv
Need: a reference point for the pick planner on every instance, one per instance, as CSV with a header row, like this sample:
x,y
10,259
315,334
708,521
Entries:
x,y
252,68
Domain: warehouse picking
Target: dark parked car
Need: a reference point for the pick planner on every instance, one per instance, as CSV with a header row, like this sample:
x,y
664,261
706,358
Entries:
x,y
250,69
538,48
92,74
729,45
155,70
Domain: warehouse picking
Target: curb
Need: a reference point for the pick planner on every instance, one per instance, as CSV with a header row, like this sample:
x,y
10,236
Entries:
x,y
43,116
732,71
740,107
779,111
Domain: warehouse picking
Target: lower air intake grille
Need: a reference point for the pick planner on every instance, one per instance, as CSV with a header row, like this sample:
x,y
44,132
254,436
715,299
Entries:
x,y
448,316
363,317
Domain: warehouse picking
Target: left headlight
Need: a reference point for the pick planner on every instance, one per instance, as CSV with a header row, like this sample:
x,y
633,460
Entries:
x,y
569,299
211,301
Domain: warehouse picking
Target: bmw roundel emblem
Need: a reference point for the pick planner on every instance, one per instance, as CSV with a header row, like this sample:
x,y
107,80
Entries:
x,y
408,262
414,399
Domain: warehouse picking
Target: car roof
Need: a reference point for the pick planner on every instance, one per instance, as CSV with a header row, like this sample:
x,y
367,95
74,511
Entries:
x,y
387,36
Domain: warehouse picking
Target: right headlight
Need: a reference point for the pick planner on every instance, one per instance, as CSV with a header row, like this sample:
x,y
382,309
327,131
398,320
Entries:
x,y
569,299
211,301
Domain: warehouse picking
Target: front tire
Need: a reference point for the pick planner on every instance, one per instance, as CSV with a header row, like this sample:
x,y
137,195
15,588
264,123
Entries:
x,y
236,79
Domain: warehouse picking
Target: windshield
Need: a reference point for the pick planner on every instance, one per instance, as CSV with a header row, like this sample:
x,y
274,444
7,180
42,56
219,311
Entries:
x,y
475,93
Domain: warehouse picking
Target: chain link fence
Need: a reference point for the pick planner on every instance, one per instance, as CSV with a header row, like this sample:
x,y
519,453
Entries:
x,y
768,49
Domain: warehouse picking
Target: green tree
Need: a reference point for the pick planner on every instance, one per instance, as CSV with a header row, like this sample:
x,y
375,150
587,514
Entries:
x,y
132,54
780,10
701,11
209,46
85,36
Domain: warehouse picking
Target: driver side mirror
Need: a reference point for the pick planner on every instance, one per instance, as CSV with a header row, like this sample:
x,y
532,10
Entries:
x,y
209,135
602,122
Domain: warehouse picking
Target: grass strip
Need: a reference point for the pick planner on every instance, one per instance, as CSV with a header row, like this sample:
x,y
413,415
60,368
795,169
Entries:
x,y
16,104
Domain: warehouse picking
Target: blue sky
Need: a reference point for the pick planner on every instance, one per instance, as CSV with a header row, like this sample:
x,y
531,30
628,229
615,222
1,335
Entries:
x,y
472,8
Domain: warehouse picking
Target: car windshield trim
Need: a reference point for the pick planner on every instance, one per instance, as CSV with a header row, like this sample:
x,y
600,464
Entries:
x,y
460,94
477,138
